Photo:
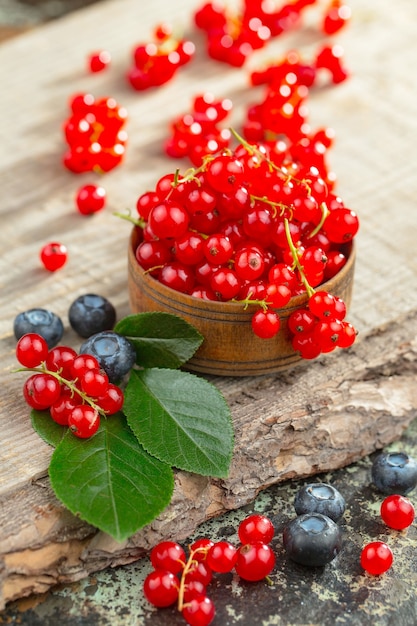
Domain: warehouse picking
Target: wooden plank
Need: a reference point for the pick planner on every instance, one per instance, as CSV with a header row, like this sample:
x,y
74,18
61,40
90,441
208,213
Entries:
x,y
374,117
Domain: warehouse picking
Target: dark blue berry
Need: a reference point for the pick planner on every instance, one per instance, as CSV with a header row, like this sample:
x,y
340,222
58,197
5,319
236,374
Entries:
x,y
42,322
115,353
320,498
90,314
312,539
394,472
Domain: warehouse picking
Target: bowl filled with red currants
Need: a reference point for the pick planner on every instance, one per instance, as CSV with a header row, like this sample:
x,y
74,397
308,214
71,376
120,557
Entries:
x,y
256,251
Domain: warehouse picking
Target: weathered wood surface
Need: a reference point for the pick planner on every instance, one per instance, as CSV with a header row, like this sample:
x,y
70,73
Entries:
x,y
318,417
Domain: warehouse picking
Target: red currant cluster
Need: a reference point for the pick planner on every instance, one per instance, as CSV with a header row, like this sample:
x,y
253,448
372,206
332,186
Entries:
x,y
282,114
95,134
199,133
232,38
248,226
321,326
178,579
398,513
73,387
155,63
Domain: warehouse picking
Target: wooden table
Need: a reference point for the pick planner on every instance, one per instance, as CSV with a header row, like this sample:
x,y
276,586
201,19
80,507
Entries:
x,y
314,419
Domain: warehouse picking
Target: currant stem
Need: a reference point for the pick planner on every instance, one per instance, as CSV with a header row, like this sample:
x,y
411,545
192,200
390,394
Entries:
x,y
128,217
249,147
324,213
68,383
190,562
275,205
249,301
310,291
191,173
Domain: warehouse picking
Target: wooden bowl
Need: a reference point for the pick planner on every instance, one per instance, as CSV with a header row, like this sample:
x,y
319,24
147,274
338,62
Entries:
x,y
230,348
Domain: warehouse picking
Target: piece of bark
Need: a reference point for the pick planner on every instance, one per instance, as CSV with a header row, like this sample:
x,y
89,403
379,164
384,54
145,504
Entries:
x,y
315,418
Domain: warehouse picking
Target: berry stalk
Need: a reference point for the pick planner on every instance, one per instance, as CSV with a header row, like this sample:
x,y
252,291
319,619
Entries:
x,y
309,289
191,561
71,384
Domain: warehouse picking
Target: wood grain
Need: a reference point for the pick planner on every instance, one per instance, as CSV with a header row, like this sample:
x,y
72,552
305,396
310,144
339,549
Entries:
x,y
318,417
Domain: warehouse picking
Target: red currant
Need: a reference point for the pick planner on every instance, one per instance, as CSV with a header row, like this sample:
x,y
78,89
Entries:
x,y
194,589
53,255
255,528
81,364
254,290
161,588
199,570
200,548
177,276
341,225
249,263
84,421
282,274
189,248
257,223
255,561
306,344
265,324
61,408
217,249
327,334
146,202
335,261
168,220
376,558
60,359
41,390
347,336
168,555
94,382
112,400
225,173
151,255
222,557
199,611
31,350
225,283
90,199
277,296
336,17
397,512
322,304
301,321
98,61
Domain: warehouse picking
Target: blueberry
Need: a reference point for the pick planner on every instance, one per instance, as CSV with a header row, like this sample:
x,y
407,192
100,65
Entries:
x,y
320,498
90,314
312,539
114,352
394,472
42,322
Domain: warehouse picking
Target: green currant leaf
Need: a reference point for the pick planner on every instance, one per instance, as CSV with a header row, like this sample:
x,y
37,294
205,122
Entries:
x,y
181,419
160,339
47,429
109,480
